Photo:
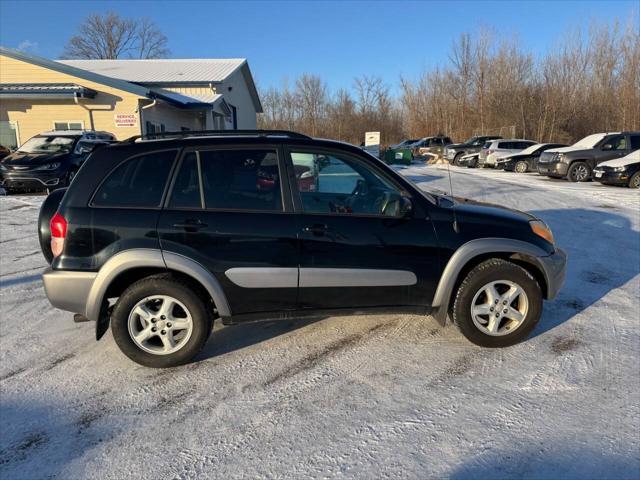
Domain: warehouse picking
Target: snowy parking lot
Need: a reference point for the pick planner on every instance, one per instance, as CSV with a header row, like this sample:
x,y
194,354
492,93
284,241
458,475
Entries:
x,y
365,396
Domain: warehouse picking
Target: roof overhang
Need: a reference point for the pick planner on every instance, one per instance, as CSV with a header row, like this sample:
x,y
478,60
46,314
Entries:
x,y
45,91
75,72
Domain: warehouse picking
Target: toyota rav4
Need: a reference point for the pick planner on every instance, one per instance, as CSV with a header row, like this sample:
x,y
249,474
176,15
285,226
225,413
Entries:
x,y
159,237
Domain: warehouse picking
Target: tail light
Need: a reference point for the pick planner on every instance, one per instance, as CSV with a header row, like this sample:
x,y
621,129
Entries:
x,y
58,226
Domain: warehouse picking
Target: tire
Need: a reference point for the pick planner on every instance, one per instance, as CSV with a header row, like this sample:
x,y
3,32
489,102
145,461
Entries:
x,y
498,273
456,159
188,341
579,172
634,181
521,167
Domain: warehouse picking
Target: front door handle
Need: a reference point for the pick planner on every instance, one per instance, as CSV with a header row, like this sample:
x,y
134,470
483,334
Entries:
x,y
317,229
191,225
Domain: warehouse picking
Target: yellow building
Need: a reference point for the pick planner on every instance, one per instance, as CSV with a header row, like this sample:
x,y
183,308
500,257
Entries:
x,y
124,97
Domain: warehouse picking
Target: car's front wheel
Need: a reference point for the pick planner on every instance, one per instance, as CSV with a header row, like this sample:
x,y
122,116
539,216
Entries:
x,y
521,167
579,172
457,158
634,181
160,322
497,304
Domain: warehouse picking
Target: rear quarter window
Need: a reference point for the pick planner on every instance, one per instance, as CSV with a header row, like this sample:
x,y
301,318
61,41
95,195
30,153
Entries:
x,y
137,182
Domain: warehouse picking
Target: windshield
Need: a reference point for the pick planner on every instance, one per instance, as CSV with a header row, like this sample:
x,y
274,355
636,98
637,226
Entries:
x,y
590,141
471,140
531,149
51,144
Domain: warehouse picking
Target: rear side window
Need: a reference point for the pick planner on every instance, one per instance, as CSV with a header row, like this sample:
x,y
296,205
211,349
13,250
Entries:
x,y
229,180
138,182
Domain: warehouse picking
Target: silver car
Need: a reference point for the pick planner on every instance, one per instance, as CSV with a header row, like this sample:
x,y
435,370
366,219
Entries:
x,y
494,149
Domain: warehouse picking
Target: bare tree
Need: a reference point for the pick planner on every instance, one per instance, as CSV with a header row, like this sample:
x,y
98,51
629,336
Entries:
x,y
111,36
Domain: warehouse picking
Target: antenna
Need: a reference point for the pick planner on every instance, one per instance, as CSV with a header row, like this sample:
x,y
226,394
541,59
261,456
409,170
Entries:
x,y
456,228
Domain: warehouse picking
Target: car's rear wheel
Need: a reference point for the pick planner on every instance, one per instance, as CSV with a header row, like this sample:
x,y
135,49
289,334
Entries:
x,y
579,172
497,304
634,181
521,166
160,322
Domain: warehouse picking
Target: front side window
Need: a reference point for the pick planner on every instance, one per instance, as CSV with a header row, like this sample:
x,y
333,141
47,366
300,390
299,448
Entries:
x,y
337,184
228,180
138,182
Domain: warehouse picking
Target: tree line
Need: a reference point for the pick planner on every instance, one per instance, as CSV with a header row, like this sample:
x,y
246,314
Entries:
x,y
589,82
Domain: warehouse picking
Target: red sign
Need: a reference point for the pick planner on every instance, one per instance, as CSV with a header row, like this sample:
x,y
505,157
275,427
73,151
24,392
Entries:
x,y
126,119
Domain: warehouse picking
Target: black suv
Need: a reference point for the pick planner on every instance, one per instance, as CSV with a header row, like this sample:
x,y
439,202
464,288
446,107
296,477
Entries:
x,y
49,160
577,161
160,237
454,152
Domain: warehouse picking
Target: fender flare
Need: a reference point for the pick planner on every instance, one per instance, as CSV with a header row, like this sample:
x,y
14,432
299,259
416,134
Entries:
x,y
470,250
147,257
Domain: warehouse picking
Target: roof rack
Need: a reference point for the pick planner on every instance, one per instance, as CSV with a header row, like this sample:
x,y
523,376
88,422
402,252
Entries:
x,y
218,133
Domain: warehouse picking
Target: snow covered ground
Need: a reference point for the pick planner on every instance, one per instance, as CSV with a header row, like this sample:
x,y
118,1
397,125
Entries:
x,y
372,396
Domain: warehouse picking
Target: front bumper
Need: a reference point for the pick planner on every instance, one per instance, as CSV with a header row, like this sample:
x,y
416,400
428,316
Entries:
x,y
31,180
612,178
555,269
68,290
557,169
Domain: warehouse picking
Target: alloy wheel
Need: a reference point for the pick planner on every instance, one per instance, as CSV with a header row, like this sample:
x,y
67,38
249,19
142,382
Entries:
x,y
499,308
160,324
580,173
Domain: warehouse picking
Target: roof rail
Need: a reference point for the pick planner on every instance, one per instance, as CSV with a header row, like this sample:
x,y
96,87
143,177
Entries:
x,y
218,133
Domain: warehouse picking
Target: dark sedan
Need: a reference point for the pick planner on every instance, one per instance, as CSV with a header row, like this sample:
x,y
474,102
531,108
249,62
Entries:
x,y
526,160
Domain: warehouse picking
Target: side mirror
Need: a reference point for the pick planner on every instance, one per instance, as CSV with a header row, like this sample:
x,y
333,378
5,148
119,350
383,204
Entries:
x,y
86,149
406,207
607,146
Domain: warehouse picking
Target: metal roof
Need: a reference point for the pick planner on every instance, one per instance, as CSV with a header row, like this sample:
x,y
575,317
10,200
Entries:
x,y
163,70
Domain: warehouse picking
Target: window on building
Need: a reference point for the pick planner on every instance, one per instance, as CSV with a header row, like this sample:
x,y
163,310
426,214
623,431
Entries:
x,y
153,127
68,125
138,182
9,134
234,116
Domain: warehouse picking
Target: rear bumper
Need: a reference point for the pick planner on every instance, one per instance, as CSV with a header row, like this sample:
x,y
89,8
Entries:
x,y
557,169
68,290
555,269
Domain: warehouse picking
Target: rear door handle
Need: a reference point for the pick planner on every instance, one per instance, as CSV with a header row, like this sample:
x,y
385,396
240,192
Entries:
x,y
191,225
316,229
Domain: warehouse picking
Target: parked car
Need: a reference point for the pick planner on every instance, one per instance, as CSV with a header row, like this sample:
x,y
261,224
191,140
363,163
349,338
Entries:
x,y
577,161
4,151
623,171
404,144
454,152
49,160
527,159
469,161
430,145
495,149
161,237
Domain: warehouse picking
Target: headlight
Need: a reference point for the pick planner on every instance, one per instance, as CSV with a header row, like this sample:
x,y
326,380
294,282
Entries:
x,y
542,230
48,166
618,169
2,167
560,157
